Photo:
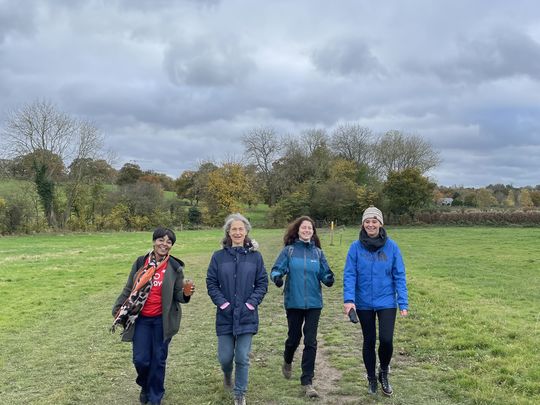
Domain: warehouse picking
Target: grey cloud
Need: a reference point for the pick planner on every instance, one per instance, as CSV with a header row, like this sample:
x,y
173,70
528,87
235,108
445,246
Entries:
x,y
505,53
207,63
506,165
346,56
189,77
153,5
16,20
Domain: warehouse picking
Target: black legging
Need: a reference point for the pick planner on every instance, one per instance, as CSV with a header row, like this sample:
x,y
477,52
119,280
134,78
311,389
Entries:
x,y
309,318
387,320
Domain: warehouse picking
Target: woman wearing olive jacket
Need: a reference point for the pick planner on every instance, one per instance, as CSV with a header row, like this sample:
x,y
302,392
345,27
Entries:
x,y
149,311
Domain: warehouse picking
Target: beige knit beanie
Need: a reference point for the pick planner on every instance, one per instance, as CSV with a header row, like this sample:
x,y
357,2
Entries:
x,y
373,212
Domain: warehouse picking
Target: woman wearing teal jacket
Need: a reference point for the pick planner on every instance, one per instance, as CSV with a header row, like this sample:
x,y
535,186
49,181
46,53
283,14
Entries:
x,y
374,286
303,264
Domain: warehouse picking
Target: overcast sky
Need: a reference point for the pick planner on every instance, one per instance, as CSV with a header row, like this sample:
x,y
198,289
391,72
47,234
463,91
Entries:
x,y
172,83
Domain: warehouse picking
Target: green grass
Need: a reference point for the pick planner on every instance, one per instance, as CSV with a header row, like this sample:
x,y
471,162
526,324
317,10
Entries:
x,y
472,336
13,187
257,215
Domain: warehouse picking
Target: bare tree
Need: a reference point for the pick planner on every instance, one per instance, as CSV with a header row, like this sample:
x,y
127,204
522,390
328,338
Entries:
x,y
313,139
396,151
87,142
263,146
353,142
40,131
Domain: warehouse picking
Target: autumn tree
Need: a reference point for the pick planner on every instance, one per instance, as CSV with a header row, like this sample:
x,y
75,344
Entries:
x,y
407,191
509,201
199,189
525,200
535,197
129,174
485,198
184,185
228,188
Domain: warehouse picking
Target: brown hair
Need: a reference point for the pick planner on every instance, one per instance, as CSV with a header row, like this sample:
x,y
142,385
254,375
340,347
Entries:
x,y
291,235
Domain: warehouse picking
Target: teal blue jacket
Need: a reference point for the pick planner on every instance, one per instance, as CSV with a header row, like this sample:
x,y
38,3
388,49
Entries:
x,y
305,268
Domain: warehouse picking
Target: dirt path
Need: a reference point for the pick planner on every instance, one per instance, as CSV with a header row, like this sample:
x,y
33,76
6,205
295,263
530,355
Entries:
x,y
327,378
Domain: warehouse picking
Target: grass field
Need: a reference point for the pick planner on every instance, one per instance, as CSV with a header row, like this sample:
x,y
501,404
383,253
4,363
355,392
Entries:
x,y
472,336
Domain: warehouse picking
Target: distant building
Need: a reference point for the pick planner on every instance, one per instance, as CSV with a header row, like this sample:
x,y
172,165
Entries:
x,y
445,201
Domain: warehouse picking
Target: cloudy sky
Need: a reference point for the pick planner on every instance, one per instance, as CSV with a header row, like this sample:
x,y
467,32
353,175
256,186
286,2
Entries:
x,y
172,83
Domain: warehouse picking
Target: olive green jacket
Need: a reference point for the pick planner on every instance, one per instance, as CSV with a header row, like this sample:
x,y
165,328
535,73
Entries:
x,y
171,297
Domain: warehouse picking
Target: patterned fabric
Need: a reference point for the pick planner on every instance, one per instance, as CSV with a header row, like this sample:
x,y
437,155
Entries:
x,y
130,309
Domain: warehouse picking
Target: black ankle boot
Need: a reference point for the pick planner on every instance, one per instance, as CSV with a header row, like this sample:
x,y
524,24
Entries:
x,y
385,385
372,385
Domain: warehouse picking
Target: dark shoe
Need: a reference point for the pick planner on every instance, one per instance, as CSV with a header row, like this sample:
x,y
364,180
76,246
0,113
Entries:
x,y
227,382
142,397
385,385
286,369
372,385
310,391
241,400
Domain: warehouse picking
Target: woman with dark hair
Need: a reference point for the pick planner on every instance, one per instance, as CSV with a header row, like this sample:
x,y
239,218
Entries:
x,y
149,311
374,286
304,265
237,283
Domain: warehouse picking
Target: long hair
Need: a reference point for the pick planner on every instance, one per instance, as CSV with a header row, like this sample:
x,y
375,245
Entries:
x,y
291,235
227,241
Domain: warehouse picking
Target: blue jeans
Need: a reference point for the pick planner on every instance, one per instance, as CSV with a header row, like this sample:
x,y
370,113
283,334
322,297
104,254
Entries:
x,y
235,348
150,356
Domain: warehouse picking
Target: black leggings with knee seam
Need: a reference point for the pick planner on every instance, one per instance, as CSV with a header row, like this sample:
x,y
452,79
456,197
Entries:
x,y
387,320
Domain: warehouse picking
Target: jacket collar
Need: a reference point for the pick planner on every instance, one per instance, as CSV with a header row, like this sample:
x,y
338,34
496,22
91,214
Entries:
x,y
300,242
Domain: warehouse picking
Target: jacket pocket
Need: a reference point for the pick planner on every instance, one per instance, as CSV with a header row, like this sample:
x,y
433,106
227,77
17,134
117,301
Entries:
x,y
224,316
247,316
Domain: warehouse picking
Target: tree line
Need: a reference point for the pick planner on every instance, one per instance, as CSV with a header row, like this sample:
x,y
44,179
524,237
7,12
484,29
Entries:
x,y
331,176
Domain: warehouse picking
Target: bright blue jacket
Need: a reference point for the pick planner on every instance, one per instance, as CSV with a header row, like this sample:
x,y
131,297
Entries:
x,y
306,267
375,280
237,277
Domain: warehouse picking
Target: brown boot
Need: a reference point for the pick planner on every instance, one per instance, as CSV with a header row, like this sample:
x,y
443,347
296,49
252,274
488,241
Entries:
x,y
310,391
286,369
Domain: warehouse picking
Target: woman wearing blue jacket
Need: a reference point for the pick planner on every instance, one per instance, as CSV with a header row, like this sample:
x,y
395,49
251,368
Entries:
x,y
303,263
374,285
237,283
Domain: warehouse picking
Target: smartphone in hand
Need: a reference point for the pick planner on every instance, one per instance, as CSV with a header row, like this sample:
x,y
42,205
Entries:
x,y
353,316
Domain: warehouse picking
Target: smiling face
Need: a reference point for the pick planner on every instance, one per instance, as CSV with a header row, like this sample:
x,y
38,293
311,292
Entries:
x,y
162,246
305,231
372,226
237,233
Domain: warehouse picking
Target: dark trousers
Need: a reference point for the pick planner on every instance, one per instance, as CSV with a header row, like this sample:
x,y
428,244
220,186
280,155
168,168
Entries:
x,y
310,319
150,356
387,320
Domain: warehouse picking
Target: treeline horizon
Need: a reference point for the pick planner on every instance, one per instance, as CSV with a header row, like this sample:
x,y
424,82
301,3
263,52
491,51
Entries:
x,y
331,176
